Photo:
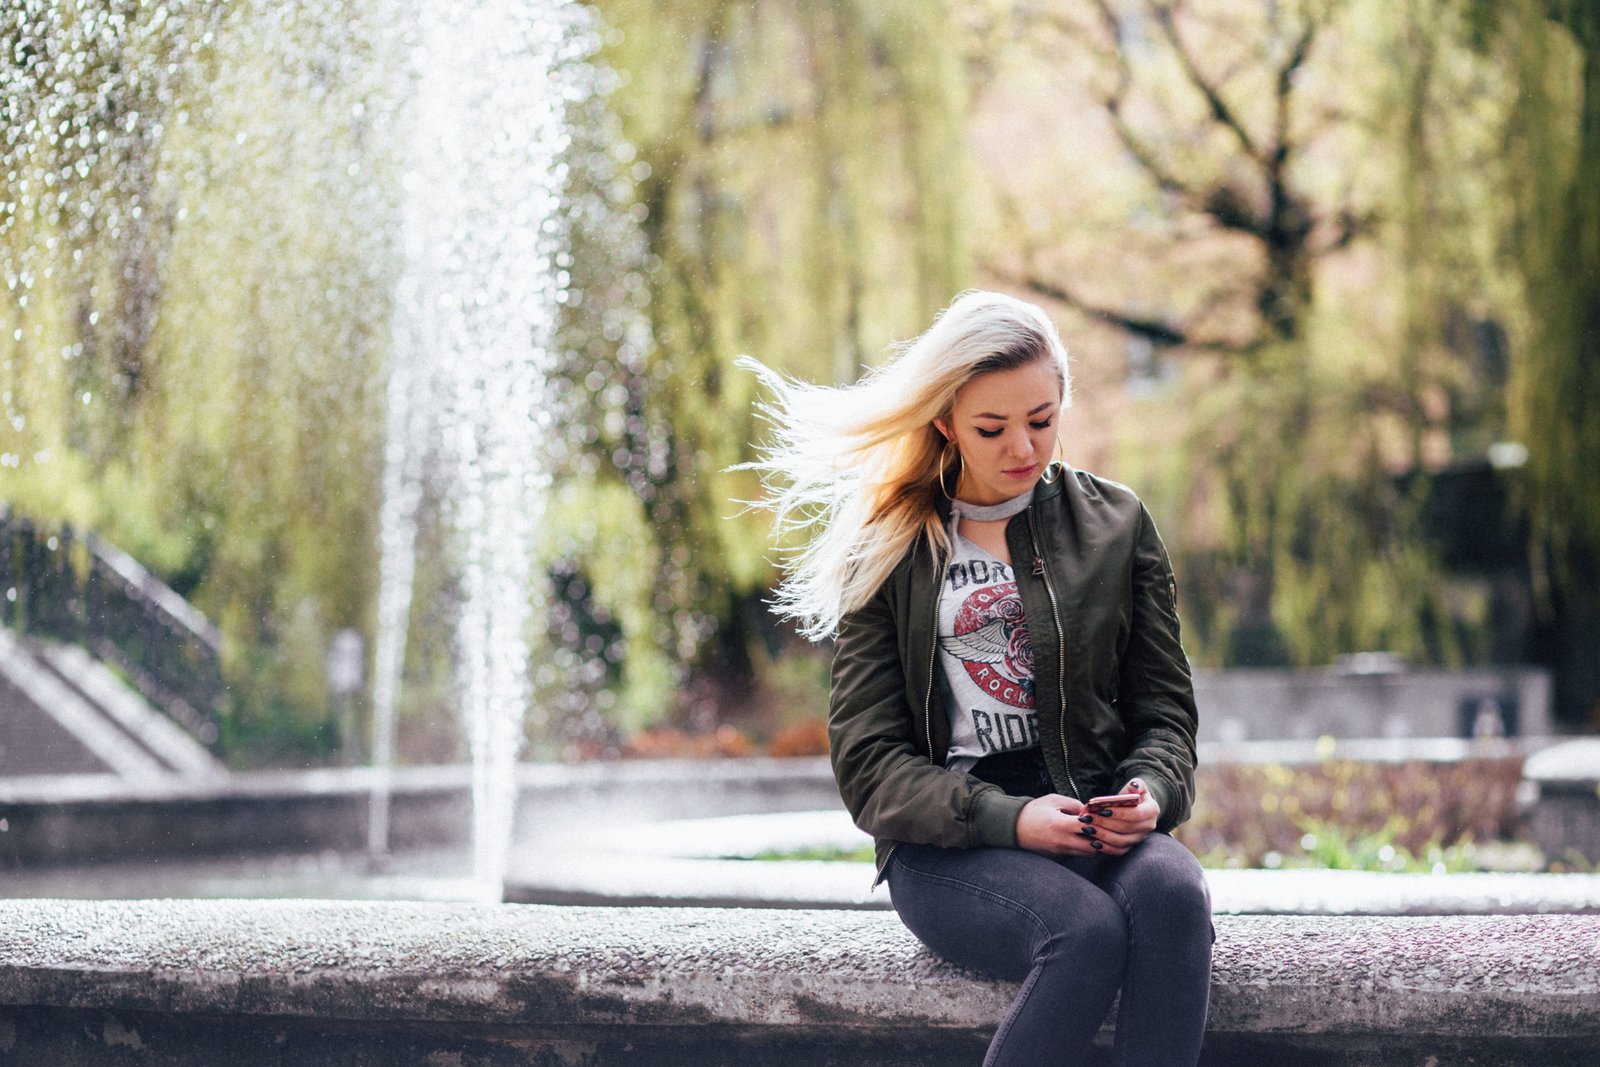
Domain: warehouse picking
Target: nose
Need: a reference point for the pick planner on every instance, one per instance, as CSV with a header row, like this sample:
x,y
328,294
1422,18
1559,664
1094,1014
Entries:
x,y
1019,444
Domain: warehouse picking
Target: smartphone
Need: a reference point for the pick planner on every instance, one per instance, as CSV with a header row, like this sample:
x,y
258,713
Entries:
x,y
1121,800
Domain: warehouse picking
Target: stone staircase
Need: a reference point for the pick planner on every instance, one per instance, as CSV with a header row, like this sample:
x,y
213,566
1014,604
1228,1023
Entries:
x,y
64,712
104,669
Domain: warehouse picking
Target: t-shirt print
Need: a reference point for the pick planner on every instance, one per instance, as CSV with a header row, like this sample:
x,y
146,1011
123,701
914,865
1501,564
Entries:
x,y
991,640
986,652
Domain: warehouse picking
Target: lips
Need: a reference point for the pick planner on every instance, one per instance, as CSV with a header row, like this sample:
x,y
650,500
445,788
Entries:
x,y
1020,472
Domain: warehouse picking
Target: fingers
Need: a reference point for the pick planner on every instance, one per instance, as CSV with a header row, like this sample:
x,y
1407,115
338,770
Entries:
x,y
1105,841
1118,829
1058,825
1051,825
1140,820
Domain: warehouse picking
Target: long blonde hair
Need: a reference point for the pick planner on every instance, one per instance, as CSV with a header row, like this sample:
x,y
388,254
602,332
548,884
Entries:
x,y
858,470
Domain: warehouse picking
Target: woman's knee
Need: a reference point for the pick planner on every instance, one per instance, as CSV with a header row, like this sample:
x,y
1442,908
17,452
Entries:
x,y
1163,874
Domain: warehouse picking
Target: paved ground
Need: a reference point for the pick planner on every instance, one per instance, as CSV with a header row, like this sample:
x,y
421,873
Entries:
x,y
691,861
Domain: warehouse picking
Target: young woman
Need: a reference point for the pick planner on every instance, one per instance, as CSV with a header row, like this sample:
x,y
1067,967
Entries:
x,y
1007,655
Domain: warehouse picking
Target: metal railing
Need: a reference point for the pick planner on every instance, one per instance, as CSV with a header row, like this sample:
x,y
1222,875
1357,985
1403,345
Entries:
x,y
73,586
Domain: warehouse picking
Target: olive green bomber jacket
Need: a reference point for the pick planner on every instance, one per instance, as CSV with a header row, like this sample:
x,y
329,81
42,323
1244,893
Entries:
x,y
1112,688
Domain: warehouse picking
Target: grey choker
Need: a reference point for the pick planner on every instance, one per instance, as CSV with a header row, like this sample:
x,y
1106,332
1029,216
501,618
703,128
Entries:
x,y
991,512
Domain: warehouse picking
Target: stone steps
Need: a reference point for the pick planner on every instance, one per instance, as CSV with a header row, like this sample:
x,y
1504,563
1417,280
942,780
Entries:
x,y
64,710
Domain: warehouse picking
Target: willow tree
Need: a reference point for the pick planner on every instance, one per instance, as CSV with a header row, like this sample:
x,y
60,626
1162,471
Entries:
x,y
1550,174
799,185
196,269
1228,213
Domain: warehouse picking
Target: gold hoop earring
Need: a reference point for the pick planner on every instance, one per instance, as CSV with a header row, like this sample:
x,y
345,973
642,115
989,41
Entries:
x,y
944,467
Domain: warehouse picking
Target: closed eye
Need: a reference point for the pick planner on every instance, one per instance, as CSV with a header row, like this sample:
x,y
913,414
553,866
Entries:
x,y
987,433
1043,424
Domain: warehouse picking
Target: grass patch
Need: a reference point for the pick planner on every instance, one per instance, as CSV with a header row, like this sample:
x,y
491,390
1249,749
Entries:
x,y
826,853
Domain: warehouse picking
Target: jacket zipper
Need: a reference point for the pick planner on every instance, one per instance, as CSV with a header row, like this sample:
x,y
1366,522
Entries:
x,y
927,713
1043,571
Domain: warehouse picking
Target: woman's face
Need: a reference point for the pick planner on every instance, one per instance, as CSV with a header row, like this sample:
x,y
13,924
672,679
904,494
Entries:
x,y
1005,424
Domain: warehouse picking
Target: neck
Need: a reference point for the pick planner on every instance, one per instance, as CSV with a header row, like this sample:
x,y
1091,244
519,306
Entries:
x,y
1003,509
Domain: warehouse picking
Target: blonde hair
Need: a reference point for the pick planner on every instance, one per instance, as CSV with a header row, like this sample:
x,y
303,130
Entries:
x,y
858,469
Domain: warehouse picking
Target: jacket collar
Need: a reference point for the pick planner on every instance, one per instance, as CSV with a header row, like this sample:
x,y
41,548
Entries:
x,y
1048,486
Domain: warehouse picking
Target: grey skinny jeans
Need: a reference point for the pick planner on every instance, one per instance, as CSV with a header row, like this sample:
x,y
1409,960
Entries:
x,y
1072,931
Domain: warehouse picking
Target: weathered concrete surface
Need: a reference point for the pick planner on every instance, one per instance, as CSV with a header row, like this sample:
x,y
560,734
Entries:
x,y
46,821
86,818
1566,818
297,982
1264,703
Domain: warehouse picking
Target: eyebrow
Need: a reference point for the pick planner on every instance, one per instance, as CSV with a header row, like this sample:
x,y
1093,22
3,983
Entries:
x,y
991,415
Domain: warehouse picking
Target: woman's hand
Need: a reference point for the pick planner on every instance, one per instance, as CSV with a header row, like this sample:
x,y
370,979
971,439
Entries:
x,y
1050,824
1057,825
1122,828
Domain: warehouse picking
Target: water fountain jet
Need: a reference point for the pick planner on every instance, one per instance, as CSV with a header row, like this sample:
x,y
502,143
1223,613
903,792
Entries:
x,y
474,330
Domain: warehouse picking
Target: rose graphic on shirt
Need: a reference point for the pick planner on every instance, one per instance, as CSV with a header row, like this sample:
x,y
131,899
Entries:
x,y
991,640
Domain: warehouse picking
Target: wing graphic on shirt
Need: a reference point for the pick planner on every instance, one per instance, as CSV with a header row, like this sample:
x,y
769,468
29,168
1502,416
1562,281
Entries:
x,y
989,643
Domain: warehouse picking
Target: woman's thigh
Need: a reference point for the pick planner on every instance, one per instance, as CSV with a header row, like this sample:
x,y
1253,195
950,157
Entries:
x,y
999,910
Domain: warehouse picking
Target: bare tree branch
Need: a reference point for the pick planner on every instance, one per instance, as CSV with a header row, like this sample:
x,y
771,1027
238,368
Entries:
x,y
1163,14
1158,332
1348,226
1154,330
1143,153
1285,97
1250,192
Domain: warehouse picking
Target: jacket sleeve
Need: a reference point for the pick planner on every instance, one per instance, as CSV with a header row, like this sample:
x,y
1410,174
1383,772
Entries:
x,y
1155,691
892,789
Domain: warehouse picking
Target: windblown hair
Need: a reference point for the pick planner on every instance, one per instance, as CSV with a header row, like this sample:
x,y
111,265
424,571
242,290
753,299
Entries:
x,y
858,470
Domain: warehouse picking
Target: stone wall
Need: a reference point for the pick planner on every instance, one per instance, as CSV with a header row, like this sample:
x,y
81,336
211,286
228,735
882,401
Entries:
x,y
295,983
1272,704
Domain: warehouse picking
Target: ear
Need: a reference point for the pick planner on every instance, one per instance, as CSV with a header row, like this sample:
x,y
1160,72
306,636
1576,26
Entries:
x,y
943,427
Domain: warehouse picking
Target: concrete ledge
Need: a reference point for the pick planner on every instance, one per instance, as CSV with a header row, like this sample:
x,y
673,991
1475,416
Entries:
x,y
46,821
297,982
1566,819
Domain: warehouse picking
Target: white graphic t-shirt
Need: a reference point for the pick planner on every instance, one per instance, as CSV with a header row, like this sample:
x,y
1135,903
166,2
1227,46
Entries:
x,y
986,656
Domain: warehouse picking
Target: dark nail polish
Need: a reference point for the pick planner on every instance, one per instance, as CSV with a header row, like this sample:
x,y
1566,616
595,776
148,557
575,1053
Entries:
x,y
1104,811
1086,818
1088,831
1096,844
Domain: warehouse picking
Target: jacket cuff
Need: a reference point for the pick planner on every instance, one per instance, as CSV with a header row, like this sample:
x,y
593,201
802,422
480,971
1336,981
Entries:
x,y
994,818
1161,791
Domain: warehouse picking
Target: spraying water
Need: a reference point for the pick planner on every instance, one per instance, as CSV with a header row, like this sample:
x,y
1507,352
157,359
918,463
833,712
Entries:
x,y
474,330
201,206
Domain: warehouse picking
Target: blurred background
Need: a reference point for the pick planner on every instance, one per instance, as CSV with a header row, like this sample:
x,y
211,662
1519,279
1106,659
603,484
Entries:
x,y
1329,271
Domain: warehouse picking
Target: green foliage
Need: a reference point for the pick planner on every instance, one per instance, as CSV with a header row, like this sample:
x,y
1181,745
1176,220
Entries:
x,y
1326,846
194,331
1553,51
1306,464
800,184
199,343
